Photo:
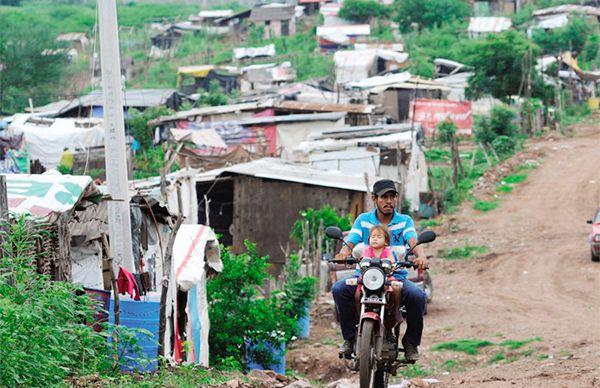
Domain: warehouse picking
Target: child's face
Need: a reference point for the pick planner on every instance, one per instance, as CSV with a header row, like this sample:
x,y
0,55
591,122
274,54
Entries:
x,y
377,239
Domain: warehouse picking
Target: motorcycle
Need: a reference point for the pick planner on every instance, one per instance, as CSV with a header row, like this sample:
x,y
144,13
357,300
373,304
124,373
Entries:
x,y
341,270
375,357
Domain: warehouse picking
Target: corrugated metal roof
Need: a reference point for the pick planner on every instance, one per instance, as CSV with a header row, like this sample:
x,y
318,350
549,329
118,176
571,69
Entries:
x,y
272,12
332,116
488,24
318,107
141,98
211,110
568,8
276,169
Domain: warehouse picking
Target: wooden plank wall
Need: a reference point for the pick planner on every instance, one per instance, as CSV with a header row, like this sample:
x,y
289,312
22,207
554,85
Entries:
x,y
265,210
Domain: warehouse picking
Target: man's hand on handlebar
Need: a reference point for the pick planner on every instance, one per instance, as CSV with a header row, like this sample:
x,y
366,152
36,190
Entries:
x,y
421,262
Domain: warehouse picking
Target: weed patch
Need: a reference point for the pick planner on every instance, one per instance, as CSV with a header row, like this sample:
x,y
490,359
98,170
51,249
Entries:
x,y
468,346
415,370
501,188
465,252
513,345
514,178
430,223
485,206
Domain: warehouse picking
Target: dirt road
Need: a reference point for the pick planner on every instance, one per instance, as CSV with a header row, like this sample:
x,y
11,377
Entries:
x,y
538,280
536,283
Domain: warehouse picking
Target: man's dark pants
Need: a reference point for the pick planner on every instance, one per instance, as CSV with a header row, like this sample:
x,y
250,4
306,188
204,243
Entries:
x,y
413,298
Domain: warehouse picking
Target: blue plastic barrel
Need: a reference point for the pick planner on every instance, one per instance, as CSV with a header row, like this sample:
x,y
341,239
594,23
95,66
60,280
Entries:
x,y
278,354
304,324
139,315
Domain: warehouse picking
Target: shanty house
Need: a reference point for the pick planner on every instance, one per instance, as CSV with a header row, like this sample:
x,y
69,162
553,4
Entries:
x,y
252,138
479,26
276,20
356,65
77,40
49,201
388,151
192,78
396,98
260,200
91,105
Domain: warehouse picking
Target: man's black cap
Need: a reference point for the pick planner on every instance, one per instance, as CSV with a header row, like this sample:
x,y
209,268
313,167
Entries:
x,y
383,187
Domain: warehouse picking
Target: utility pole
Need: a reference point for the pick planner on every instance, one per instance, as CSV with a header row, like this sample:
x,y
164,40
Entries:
x,y
119,223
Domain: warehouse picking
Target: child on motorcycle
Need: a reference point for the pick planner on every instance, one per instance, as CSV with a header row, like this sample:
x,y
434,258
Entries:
x,y
379,247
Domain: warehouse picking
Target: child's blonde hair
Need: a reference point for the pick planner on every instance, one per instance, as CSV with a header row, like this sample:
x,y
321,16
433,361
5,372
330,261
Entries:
x,y
384,230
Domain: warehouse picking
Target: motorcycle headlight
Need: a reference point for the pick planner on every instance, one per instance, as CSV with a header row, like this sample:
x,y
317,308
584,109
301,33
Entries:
x,y
597,238
373,279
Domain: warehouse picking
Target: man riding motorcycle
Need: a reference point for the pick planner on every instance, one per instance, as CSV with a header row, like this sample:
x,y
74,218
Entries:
x,y
402,230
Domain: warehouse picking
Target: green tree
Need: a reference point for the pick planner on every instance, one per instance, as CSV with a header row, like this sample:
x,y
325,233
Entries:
x,y
31,68
138,123
362,11
573,36
430,13
13,3
498,62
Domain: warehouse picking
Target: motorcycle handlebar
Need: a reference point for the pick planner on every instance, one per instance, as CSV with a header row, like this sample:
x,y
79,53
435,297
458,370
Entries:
x,y
352,260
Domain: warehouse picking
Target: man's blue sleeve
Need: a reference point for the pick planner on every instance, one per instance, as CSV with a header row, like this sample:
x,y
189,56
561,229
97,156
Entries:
x,y
355,235
409,229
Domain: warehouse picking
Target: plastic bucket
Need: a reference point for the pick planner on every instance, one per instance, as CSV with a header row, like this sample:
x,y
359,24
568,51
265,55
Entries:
x,y
593,103
304,325
278,354
139,315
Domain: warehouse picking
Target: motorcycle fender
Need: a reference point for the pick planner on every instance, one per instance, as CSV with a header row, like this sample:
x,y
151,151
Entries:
x,y
371,315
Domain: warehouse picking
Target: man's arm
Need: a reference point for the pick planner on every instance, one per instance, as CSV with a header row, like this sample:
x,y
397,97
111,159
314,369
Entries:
x,y
421,259
353,238
345,251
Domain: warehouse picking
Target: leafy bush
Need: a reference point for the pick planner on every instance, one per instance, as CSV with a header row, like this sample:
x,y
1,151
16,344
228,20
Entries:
x,y
500,123
504,146
326,214
150,162
214,96
299,290
485,206
43,327
362,11
138,123
240,312
430,13
447,131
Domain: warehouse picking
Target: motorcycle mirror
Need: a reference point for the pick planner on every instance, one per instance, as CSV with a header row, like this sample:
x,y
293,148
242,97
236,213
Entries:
x,y
334,232
426,236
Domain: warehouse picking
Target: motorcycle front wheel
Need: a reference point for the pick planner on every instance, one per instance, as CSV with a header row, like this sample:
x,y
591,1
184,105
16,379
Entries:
x,y
366,352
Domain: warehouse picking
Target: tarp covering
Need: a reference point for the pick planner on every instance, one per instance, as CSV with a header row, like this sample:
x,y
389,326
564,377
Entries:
x,y
379,81
43,195
46,138
196,248
432,112
206,137
253,52
356,65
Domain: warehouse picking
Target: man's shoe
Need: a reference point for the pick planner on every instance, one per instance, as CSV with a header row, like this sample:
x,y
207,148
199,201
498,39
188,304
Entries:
x,y
347,348
411,353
